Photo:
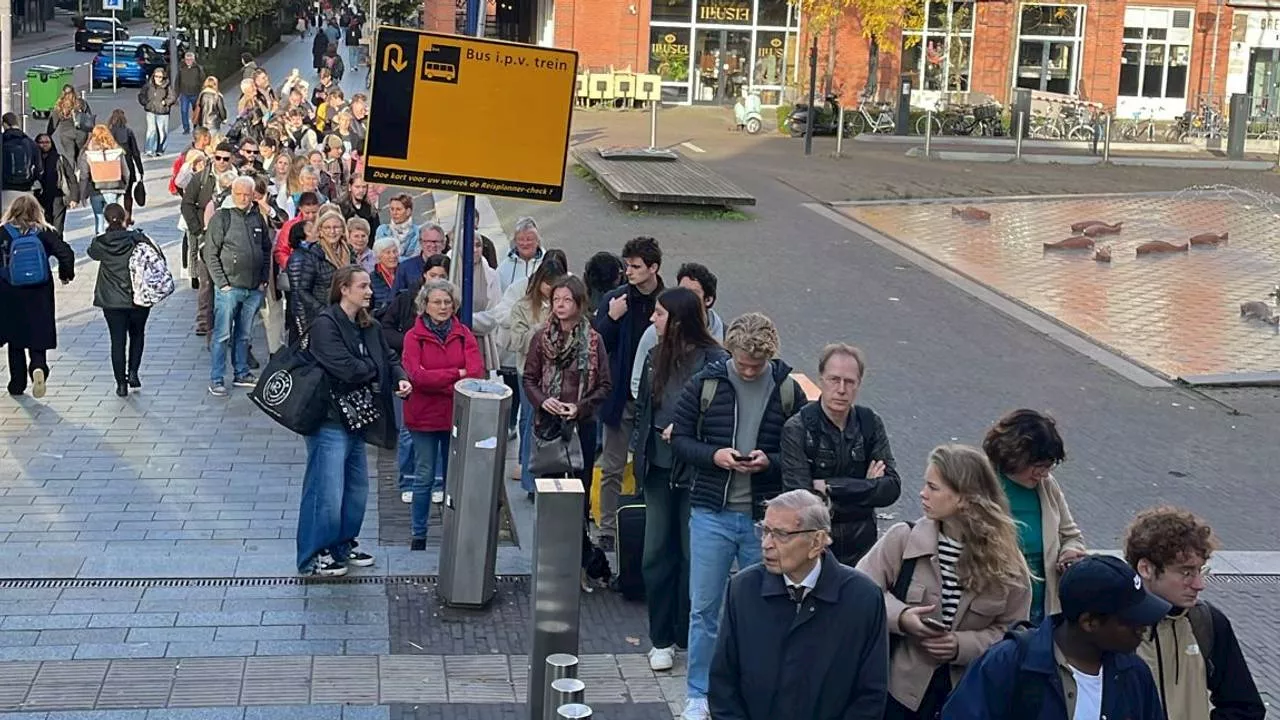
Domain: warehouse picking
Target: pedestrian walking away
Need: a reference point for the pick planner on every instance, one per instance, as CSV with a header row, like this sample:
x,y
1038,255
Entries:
x,y
104,173
802,636
1193,651
362,371
953,582
684,347
70,123
27,324
1024,446
1077,664
156,98
438,352
128,142
22,165
841,450
114,292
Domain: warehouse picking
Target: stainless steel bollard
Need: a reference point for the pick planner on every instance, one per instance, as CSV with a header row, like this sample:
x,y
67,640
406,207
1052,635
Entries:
x,y
928,131
559,666
477,460
557,579
565,691
1106,138
1017,138
839,129
573,711
653,124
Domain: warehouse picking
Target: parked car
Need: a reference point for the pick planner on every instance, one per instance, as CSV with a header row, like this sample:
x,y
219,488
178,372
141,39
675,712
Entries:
x,y
92,32
133,64
159,43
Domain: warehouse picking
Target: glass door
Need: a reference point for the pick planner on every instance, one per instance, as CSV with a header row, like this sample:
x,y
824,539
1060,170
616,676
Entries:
x,y
722,61
1046,65
1264,80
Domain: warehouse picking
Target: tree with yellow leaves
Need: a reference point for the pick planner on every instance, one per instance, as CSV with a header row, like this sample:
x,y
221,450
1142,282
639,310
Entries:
x,y
877,17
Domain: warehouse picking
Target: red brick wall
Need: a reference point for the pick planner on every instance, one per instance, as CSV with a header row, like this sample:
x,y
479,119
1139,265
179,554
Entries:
x,y
995,25
605,32
439,15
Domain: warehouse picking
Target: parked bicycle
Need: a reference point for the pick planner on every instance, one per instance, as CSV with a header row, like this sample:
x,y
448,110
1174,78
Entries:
x,y
873,118
978,120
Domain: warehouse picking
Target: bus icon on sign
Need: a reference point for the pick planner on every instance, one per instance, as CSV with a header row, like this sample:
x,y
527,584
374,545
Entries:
x,y
440,63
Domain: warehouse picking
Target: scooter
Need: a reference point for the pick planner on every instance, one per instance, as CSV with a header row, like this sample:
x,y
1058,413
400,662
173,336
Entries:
x,y
824,120
747,112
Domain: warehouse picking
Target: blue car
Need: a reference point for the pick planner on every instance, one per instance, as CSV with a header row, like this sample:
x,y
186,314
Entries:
x,y
133,61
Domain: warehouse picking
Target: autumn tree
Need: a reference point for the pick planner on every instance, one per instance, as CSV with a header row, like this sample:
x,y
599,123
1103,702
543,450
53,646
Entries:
x,y
878,18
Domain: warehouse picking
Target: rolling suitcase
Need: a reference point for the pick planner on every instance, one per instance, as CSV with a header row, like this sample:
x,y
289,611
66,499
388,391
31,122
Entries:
x,y
630,547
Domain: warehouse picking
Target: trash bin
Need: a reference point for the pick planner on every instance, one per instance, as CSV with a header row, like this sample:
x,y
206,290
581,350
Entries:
x,y
44,83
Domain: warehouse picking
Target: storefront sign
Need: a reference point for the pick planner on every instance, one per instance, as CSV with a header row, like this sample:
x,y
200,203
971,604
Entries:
x,y
1262,29
668,47
724,12
772,48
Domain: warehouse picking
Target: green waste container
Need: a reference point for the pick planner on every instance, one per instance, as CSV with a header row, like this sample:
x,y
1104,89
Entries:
x,y
44,83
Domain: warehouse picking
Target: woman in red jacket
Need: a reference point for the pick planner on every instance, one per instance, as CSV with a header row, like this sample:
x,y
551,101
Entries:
x,y
438,352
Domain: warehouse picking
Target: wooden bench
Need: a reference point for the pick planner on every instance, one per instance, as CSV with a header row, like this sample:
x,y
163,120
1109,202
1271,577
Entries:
x,y
679,182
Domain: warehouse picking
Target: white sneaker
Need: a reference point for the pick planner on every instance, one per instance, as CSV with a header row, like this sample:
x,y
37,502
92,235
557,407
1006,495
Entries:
x,y
406,497
437,497
662,658
696,709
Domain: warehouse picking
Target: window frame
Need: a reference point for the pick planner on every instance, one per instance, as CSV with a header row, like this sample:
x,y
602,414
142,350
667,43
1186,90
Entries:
x,y
924,34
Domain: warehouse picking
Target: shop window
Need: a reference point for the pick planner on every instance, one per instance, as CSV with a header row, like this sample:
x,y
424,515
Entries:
x,y
672,11
1156,53
669,53
776,13
1049,44
772,57
937,56
725,12
1051,20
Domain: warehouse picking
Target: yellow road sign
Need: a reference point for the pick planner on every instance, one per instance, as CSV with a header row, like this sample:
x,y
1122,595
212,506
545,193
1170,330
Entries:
x,y
469,115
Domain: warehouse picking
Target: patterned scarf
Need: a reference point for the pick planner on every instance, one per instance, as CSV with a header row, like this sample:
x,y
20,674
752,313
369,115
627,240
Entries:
x,y
563,350
440,330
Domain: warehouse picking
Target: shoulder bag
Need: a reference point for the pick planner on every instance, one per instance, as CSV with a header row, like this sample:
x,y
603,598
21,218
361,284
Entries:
x,y
293,389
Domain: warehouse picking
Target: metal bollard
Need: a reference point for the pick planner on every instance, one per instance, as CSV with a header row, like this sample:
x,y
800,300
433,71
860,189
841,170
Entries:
x,y
839,129
573,711
653,124
559,666
928,130
565,691
1106,138
557,579
1017,138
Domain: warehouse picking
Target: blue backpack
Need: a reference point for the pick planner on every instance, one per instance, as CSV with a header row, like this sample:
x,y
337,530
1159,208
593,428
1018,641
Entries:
x,y
26,264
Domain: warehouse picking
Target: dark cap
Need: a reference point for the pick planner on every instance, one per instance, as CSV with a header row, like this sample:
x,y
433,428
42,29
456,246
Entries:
x,y
1105,585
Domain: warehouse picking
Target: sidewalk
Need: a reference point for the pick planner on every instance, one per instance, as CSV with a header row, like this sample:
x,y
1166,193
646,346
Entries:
x,y
59,34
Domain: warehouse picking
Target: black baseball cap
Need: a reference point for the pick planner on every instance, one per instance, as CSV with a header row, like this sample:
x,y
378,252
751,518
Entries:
x,y
1105,585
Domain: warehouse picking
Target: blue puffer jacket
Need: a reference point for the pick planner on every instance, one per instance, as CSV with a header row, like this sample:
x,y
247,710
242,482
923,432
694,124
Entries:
x,y
996,685
709,484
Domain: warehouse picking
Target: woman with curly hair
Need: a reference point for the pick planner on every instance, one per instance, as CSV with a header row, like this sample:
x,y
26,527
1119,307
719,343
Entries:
x,y
966,581
1024,447
67,123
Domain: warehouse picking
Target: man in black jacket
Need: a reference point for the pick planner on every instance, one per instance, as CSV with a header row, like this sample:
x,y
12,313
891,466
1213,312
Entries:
x,y
21,159
841,450
196,196
802,636
190,82
1193,652
728,433
238,255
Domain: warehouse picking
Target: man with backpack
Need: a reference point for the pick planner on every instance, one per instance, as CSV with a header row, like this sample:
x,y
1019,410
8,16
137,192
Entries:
x,y
727,434
1077,665
237,253
21,159
1192,651
841,450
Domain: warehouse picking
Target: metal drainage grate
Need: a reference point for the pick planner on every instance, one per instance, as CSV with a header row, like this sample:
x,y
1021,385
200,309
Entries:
x,y
66,583
1224,579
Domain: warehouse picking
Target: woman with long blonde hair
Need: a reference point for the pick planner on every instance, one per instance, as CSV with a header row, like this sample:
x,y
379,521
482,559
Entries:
x,y
66,123
953,582
27,324
104,173
311,276
211,109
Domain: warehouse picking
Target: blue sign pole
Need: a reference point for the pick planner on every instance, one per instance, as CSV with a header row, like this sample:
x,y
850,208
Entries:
x,y
467,206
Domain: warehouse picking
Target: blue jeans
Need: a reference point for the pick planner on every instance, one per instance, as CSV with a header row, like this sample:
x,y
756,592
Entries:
x,y
431,450
157,131
404,451
716,539
185,103
526,440
98,202
335,490
233,309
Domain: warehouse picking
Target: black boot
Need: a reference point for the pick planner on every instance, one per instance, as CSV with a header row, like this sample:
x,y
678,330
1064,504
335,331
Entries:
x,y
122,390
134,382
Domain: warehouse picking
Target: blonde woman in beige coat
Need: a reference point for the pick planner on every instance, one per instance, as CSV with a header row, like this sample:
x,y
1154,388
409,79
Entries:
x,y
1023,447
968,583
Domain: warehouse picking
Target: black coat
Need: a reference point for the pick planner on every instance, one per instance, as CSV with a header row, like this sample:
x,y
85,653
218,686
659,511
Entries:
x,y
366,211
826,660
57,179
310,280
708,482
62,128
129,143
157,99
318,46
399,316
27,318
113,249
619,340
815,449
353,357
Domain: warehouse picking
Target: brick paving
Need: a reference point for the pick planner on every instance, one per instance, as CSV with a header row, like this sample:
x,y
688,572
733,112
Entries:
x,y
1178,314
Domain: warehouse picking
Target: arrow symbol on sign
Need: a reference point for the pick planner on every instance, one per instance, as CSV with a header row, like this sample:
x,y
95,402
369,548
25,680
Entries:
x,y
393,57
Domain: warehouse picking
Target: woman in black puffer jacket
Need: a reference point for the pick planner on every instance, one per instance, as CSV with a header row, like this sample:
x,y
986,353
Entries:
x,y
311,271
113,292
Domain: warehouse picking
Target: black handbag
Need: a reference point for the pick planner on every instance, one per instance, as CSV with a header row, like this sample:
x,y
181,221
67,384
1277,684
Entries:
x,y
358,408
556,450
293,389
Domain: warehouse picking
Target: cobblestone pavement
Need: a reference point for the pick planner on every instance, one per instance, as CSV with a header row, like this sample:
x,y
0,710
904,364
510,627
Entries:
x,y
1178,314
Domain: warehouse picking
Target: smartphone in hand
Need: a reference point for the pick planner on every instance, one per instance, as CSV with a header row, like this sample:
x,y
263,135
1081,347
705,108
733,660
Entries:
x,y
935,624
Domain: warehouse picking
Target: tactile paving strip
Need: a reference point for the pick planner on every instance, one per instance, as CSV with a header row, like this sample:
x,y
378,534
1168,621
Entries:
x,y
1176,314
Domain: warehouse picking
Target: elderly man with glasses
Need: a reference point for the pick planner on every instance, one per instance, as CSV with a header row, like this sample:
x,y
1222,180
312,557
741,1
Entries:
x,y
802,636
197,192
430,242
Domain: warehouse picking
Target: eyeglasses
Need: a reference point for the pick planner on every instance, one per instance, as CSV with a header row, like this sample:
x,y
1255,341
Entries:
x,y
440,302
1190,574
222,158
780,536
247,151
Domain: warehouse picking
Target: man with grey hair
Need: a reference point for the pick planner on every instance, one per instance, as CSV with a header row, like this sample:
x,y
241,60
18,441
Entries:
x,y
237,253
525,254
409,272
190,82
802,636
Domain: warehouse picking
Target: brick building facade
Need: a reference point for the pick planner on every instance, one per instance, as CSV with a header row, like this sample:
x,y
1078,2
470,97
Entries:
x,y
1142,57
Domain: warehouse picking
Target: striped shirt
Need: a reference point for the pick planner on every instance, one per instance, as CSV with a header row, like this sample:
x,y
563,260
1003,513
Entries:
x,y
948,557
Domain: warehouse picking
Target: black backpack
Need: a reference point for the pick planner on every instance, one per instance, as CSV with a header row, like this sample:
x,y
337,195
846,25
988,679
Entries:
x,y
20,162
